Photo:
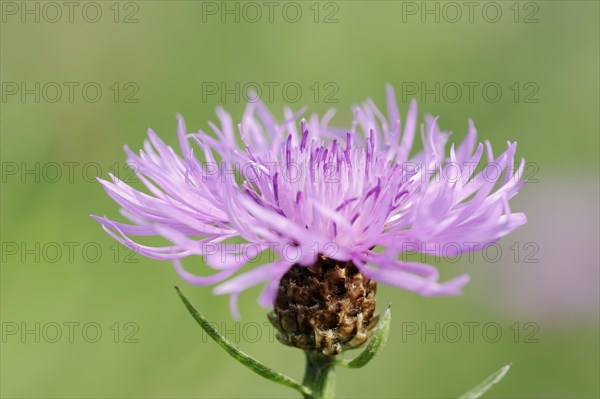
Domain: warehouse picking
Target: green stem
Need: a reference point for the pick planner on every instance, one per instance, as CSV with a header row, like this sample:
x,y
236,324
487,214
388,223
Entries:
x,y
319,376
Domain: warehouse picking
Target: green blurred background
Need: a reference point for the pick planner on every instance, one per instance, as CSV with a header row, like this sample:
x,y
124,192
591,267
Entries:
x,y
550,49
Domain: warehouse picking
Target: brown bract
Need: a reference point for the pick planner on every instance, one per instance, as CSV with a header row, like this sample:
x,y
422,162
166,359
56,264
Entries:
x,y
325,308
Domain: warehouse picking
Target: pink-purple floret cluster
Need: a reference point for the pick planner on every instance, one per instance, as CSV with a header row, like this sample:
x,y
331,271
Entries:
x,y
304,188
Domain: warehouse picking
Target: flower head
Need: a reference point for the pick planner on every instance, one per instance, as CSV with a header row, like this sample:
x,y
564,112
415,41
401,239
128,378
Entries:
x,y
309,192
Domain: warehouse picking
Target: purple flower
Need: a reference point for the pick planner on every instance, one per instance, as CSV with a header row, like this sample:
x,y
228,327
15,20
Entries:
x,y
307,190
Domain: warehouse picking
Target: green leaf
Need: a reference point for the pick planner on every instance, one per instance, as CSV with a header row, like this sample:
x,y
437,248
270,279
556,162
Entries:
x,y
375,344
486,384
240,356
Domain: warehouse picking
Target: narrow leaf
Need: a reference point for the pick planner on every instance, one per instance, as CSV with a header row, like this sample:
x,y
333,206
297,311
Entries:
x,y
240,356
375,344
486,384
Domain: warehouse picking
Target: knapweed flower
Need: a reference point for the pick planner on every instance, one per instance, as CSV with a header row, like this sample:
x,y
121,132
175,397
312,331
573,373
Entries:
x,y
338,207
